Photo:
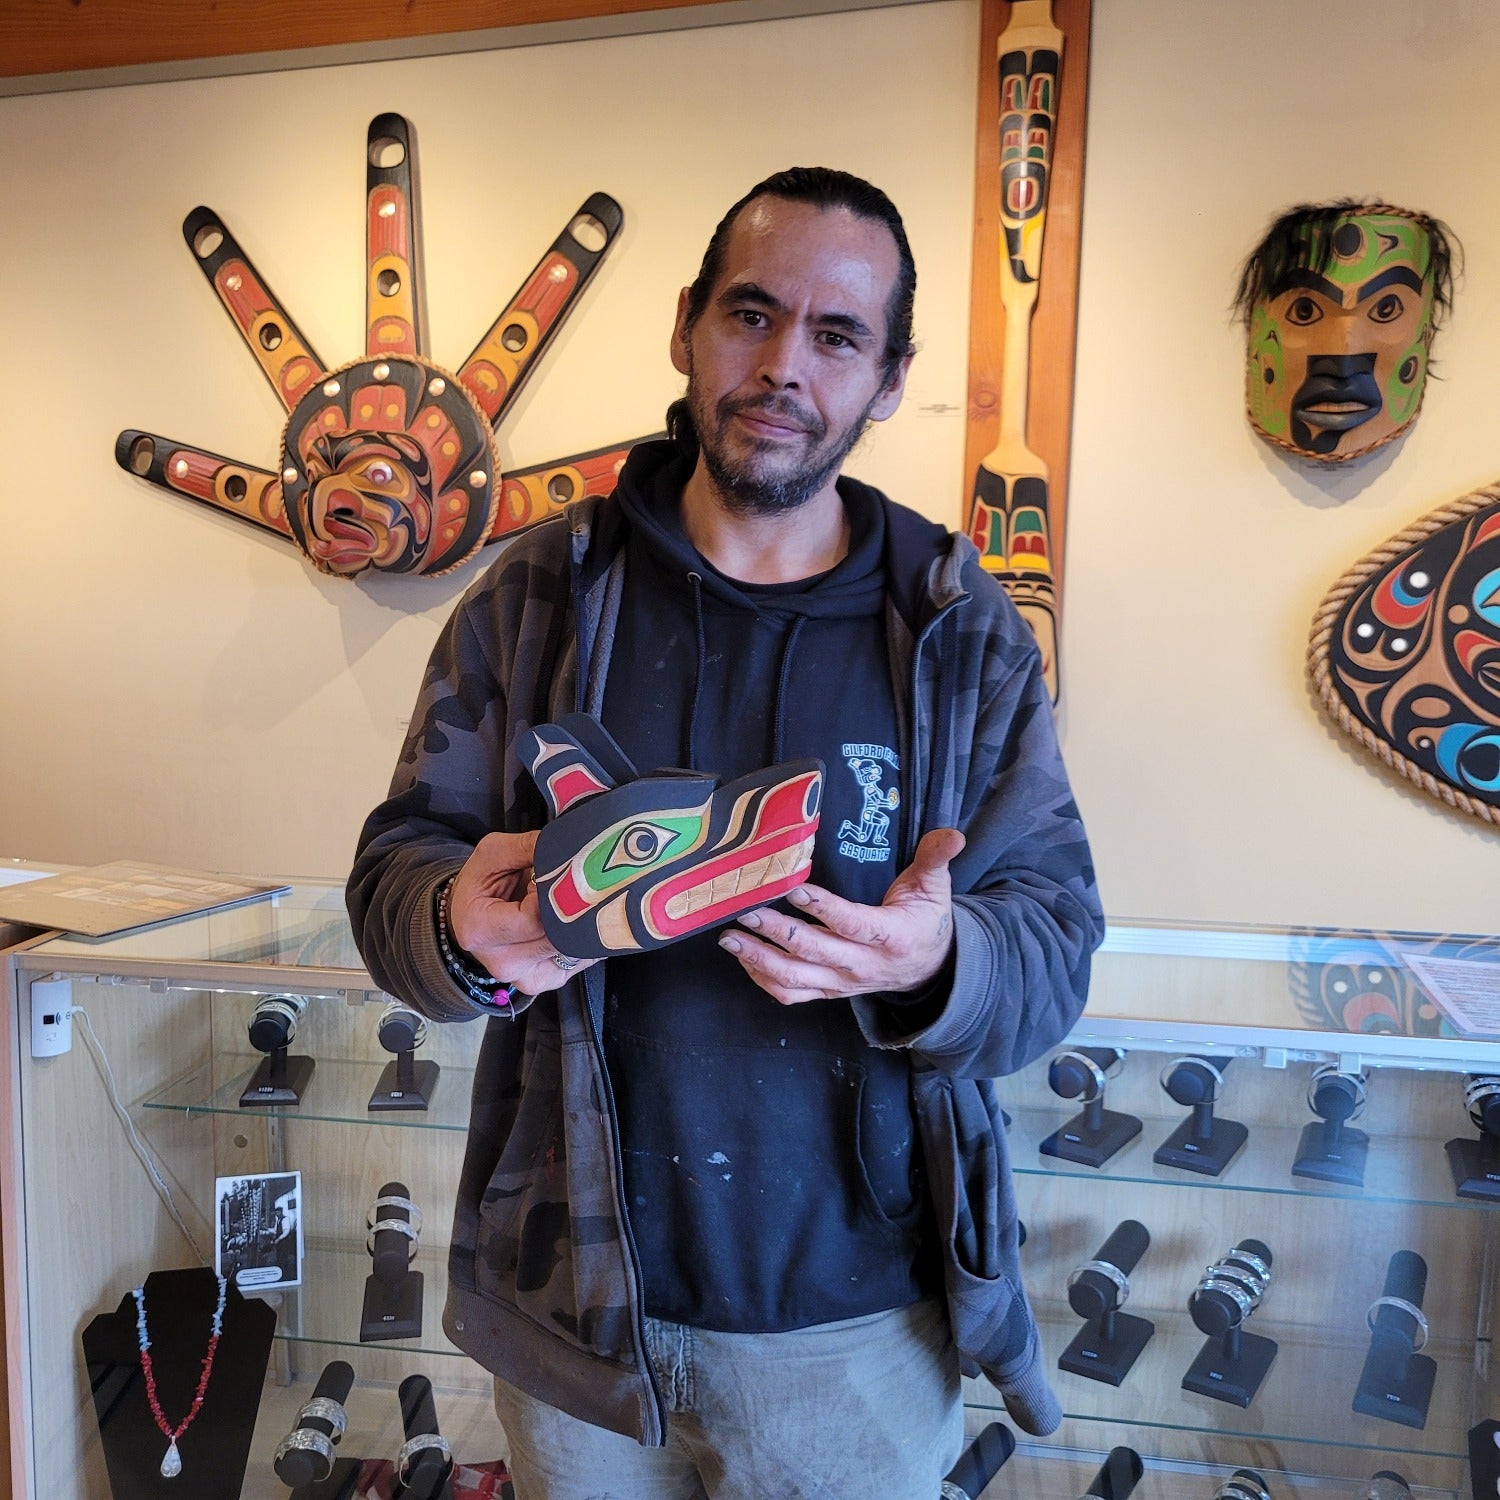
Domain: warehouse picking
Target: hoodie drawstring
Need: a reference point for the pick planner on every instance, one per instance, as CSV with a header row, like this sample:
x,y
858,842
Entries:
x,y
700,664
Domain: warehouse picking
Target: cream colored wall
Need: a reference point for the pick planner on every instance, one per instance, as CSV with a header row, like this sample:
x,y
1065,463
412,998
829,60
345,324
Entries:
x,y
1213,787
183,690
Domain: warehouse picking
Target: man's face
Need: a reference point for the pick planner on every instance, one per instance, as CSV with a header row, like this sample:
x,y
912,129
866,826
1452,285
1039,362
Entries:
x,y
1338,358
784,364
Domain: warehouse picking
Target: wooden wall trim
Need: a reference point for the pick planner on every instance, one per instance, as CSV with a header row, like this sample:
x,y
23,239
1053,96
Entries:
x,y
64,36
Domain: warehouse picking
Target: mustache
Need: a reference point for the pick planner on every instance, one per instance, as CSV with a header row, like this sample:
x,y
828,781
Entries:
x,y
782,406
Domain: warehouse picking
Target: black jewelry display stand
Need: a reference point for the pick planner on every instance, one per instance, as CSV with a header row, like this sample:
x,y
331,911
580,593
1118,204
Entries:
x,y
1091,1137
1331,1151
1110,1341
1231,1368
393,1291
1201,1143
179,1317
1396,1381
342,1484
1117,1477
1484,1458
280,1079
1475,1162
426,1476
405,1083
980,1462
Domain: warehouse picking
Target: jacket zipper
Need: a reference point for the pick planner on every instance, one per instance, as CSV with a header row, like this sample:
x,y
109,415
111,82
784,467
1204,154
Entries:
x,y
656,1438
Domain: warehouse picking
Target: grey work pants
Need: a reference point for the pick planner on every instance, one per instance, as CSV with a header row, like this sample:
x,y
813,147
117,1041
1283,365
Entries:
x,y
841,1411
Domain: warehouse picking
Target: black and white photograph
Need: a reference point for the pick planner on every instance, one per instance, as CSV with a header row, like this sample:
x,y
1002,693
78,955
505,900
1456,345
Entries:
x,y
258,1245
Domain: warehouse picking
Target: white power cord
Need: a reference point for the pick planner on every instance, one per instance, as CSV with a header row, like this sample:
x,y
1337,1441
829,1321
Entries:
x,y
96,1049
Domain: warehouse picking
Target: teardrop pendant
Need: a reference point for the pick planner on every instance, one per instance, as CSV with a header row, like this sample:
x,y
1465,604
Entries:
x,y
171,1465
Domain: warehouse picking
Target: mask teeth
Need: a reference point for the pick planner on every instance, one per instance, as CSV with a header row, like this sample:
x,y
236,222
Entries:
x,y
760,872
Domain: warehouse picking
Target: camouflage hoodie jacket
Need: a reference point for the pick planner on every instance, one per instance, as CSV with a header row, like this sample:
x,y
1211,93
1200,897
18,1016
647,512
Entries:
x,y
544,1288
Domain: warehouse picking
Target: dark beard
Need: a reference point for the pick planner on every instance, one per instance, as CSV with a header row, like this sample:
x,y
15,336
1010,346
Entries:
x,y
749,492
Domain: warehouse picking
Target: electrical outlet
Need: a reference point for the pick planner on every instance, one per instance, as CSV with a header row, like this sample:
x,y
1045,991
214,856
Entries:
x,y
51,1017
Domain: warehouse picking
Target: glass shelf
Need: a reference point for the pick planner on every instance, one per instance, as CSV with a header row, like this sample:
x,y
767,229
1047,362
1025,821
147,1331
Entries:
x,y
338,1093
1306,1396
1411,1170
327,1307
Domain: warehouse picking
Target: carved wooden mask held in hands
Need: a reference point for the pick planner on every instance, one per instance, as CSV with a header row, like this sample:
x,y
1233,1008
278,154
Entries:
x,y
630,862
1340,303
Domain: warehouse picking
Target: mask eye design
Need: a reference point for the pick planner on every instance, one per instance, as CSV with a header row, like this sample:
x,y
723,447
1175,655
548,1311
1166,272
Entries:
x,y
635,845
1387,310
1304,312
641,845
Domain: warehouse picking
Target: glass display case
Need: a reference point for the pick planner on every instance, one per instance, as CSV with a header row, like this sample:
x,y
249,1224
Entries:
x,y
1189,1032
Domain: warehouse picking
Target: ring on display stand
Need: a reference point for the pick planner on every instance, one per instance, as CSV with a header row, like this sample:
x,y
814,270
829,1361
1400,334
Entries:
x,y
1414,1312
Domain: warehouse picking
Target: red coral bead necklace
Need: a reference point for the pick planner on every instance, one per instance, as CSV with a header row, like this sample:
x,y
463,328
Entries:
x,y
171,1465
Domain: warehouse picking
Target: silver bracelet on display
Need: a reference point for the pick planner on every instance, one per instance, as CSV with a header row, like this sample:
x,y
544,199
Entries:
x,y
401,1227
1410,1309
306,1440
420,1444
1201,1062
1110,1273
1240,1486
1231,1289
1093,1069
325,1409
1249,1260
1361,1082
393,1007
411,1208
1476,1091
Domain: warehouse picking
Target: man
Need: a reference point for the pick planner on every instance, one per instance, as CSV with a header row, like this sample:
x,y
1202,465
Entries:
x,y
744,1200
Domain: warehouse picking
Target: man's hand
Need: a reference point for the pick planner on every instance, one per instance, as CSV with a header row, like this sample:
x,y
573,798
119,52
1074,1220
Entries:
x,y
849,949
494,914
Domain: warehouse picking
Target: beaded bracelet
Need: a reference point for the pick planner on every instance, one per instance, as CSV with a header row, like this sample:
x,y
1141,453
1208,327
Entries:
x,y
482,988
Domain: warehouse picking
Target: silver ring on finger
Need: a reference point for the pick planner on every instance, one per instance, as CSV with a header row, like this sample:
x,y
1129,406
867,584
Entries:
x,y
564,963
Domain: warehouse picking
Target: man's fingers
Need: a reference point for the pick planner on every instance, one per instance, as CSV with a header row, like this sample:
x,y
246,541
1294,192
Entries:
x,y
934,853
860,924
772,968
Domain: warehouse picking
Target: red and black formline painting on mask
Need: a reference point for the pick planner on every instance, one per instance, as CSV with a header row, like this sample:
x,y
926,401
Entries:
x,y
390,461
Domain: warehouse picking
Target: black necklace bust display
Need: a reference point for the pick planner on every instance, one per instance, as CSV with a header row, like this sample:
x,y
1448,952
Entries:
x,y
215,1447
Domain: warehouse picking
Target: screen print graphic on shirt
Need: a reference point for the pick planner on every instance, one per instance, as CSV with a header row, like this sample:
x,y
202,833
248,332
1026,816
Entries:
x,y
629,862
866,839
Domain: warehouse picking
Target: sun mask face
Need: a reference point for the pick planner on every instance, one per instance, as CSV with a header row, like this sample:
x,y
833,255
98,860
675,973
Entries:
x,y
629,863
1406,653
1340,308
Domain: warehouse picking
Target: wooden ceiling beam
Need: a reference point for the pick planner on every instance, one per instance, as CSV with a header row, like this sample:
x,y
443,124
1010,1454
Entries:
x,y
65,36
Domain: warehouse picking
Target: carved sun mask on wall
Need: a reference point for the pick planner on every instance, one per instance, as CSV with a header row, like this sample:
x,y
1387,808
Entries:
x,y
390,461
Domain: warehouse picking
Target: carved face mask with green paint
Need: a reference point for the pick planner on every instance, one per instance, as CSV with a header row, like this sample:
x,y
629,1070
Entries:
x,y
1340,302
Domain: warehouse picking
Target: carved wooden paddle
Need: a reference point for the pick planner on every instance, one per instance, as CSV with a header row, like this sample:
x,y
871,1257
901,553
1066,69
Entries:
x,y
1010,519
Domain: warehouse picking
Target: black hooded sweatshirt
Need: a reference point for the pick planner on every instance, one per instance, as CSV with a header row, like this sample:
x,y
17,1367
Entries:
x,y
771,1161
